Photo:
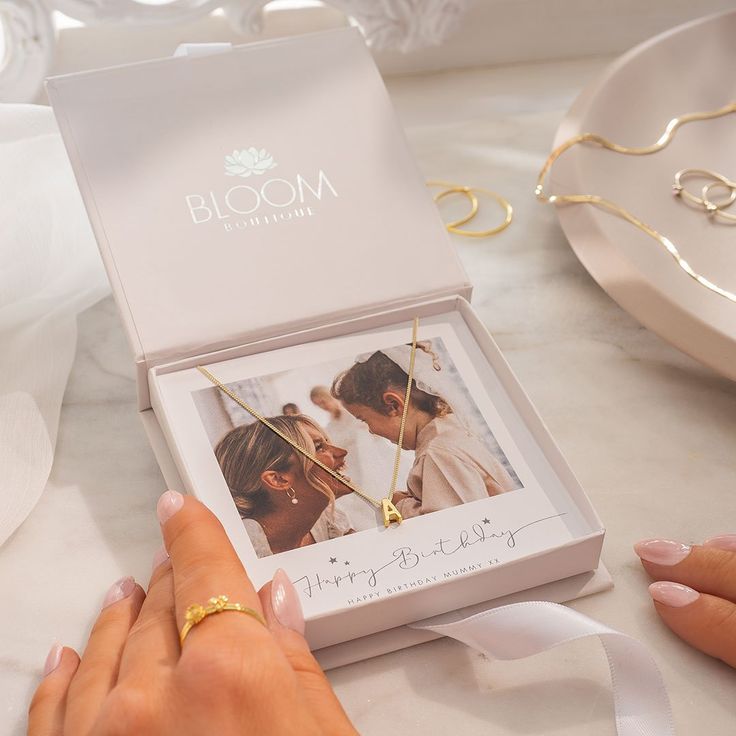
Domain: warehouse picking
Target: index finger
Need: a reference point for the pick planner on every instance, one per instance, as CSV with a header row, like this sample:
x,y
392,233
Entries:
x,y
205,565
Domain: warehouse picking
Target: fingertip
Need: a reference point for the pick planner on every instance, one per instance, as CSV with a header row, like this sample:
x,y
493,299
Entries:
x,y
60,659
285,603
673,595
119,590
53,658
46,709
281,606
181,515
169,503
662,552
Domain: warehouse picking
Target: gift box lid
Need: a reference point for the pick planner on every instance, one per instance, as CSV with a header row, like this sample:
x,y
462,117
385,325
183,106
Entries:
x,y
251,192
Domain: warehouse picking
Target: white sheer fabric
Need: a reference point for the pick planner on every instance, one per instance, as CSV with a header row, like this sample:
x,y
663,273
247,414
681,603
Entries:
x,y
50,270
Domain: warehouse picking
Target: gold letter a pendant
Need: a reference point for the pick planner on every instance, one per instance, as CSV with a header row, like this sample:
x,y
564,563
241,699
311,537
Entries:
x,y
390,512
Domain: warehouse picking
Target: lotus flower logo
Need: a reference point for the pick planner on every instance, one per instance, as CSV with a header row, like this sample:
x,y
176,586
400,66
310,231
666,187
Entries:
x,y
248,161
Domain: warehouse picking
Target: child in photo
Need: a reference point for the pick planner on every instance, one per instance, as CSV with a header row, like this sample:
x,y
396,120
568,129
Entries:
x,y
451,465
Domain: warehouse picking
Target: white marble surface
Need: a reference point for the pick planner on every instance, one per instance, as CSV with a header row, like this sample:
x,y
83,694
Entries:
x,y
650,433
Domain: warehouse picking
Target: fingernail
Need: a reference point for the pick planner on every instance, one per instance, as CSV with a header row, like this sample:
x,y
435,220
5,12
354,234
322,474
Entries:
x,y
662,551
169,503
159,558
673,594
118,590
722,541
285,603
53,658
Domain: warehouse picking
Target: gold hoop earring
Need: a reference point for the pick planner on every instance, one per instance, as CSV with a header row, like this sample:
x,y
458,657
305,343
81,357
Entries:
x,y
453,227
291,493
459,190
508,216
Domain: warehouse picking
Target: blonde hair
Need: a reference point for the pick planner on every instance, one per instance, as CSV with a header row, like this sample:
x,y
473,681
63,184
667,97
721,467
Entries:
x,y
319,391
247,451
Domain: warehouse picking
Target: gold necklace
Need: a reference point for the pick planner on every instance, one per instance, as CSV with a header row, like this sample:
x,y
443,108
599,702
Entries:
x,y
664,140
390,512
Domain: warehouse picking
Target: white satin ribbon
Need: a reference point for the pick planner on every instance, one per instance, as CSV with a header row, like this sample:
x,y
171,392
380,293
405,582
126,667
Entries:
x,y
521,629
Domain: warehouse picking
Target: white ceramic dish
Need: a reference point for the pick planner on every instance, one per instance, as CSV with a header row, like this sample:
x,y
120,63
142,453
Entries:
x,y
684,70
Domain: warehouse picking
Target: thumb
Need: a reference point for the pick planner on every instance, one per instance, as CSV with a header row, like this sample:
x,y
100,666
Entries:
x,y
283,612
707,622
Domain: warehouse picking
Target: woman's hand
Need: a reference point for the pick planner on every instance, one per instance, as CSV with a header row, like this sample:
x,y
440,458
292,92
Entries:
x,y
233,676
696,591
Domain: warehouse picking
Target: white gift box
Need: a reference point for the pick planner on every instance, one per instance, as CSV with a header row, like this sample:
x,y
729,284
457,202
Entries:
x,y
259,213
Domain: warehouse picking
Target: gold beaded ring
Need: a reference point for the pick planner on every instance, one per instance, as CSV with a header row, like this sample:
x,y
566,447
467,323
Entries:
x,y
717,180
717,208
197,613
459,190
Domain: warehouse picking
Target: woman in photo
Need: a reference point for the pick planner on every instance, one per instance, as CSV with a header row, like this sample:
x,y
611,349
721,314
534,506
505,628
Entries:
x,y
451,465
284,499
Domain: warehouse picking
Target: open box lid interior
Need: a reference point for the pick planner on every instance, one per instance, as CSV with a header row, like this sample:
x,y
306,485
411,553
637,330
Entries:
x,y
251,192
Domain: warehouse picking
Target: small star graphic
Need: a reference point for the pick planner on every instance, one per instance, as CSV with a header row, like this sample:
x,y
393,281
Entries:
x,y
486,520
346,562
333,560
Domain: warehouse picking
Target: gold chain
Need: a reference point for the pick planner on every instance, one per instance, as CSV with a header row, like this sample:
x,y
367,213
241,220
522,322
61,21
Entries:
x,y
389,510
407,396
664,140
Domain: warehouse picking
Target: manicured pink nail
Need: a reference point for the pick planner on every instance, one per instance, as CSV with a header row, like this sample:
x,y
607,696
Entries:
x,y
118,590
159,558
662,551
285,602
673,594
53,658
722,541
169,503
